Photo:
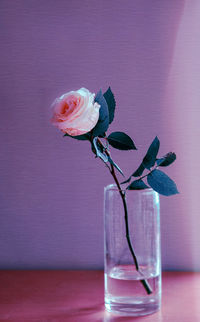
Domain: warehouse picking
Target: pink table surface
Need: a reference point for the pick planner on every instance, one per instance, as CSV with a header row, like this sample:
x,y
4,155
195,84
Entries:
x,y
57,295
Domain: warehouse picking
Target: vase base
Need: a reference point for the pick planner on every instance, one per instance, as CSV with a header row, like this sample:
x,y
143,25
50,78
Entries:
x,y
133,309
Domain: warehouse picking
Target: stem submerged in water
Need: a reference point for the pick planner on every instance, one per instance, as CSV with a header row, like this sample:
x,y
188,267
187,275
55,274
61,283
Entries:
x,y
122,194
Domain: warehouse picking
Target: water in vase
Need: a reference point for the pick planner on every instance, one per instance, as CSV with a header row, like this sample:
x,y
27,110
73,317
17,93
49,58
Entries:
x,y
125,294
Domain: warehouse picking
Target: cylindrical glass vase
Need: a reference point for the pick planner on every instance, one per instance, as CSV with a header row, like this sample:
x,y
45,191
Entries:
x,y
132,285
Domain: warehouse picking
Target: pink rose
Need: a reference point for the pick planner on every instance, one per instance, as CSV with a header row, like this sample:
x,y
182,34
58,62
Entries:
x,y
75,113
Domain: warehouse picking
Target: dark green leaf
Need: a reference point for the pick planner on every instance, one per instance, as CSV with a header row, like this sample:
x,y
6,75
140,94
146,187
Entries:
x,y
150,158
161,183
103,122
137,185
98,150
126,181
115,165
109,97
82,137
139,171
121,141
168,159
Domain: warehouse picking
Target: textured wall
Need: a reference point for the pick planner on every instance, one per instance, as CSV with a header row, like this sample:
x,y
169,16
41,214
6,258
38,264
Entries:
x,y
51,187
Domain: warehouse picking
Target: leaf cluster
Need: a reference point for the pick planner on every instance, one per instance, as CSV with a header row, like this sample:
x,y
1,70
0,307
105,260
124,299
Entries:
x,y
156,179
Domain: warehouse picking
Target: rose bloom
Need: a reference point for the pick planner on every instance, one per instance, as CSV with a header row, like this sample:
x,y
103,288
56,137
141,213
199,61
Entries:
x,y
75,113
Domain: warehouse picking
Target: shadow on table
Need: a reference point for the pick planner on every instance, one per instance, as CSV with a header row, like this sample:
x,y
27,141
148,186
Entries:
x,y
109,317
92,313
97,313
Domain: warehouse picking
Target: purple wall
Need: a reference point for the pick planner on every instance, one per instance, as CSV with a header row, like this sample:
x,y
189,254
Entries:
x,y
52,187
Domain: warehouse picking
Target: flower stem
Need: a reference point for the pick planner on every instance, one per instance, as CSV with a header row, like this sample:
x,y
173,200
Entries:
x,y
122,194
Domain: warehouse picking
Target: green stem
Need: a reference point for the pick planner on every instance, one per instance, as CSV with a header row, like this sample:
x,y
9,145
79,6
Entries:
x,y
122,194
150,171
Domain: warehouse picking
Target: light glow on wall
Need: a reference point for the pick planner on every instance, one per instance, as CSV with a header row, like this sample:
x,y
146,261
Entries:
x,y
182,104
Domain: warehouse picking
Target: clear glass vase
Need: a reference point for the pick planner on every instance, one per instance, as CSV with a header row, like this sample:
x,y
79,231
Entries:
x,y
132,277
